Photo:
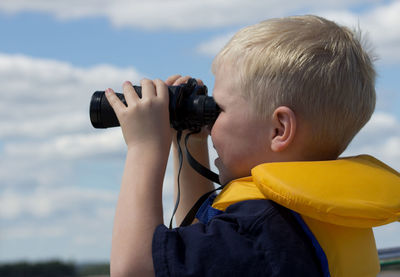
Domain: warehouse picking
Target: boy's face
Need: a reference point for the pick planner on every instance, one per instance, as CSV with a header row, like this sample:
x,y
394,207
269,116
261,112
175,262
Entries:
x,y
241,140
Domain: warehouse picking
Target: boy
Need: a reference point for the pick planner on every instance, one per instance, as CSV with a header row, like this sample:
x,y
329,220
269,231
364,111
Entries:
x,y
293,92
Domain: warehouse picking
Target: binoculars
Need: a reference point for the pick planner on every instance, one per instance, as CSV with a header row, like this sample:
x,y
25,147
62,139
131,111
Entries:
x,y
189,107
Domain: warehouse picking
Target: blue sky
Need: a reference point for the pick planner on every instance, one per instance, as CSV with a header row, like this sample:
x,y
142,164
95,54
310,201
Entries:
x,y
59,178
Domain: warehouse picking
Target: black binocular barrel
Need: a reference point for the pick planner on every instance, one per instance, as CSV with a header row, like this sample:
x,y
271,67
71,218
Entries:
x,y
197,111
102,114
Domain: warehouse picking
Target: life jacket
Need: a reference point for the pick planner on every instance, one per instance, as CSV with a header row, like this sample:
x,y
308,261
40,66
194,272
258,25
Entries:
x,y
339,200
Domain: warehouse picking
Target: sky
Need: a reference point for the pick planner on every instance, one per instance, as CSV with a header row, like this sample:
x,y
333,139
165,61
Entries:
x,y
60,177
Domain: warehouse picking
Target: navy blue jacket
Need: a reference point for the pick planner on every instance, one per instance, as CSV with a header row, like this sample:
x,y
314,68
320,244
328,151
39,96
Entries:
x,y
251,238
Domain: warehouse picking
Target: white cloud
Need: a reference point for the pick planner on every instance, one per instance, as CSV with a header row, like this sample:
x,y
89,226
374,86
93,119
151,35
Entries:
x,y
44,120
33,232
380,20
47,97
45,138
378,24
69,146
72,217
173,14
212,47
387,236
46,202
380,137
79,235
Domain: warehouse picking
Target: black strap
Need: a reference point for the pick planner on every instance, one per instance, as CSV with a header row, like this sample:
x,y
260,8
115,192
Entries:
x,y
178,195
193,211
202,170
205,172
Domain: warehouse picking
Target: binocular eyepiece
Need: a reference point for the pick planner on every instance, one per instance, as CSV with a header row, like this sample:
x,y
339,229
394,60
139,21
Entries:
x,y
189,107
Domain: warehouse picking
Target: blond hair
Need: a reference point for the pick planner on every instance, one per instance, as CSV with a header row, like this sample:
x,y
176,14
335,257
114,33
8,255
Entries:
x,y
311,65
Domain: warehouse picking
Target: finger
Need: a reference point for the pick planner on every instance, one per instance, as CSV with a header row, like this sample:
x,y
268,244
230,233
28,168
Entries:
x,y
129,92
114,101
181,80
148,88
200,82
161,89
172,79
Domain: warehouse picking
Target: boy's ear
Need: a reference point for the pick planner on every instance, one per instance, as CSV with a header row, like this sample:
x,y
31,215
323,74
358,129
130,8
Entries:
x,y
284,128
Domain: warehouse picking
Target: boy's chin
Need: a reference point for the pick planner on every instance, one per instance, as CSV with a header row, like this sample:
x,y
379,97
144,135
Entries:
x,y
225,178
226,175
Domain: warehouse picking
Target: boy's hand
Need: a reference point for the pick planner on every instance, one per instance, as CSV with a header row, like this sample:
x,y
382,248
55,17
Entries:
x,y
145,121
177,80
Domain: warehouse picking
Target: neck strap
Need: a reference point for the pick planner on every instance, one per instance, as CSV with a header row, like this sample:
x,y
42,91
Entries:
x,y
202,170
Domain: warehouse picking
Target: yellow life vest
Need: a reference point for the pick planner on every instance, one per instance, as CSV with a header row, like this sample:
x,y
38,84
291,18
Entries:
x,y
339,200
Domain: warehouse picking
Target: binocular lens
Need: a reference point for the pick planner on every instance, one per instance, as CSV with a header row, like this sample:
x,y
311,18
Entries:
x,y
102,114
